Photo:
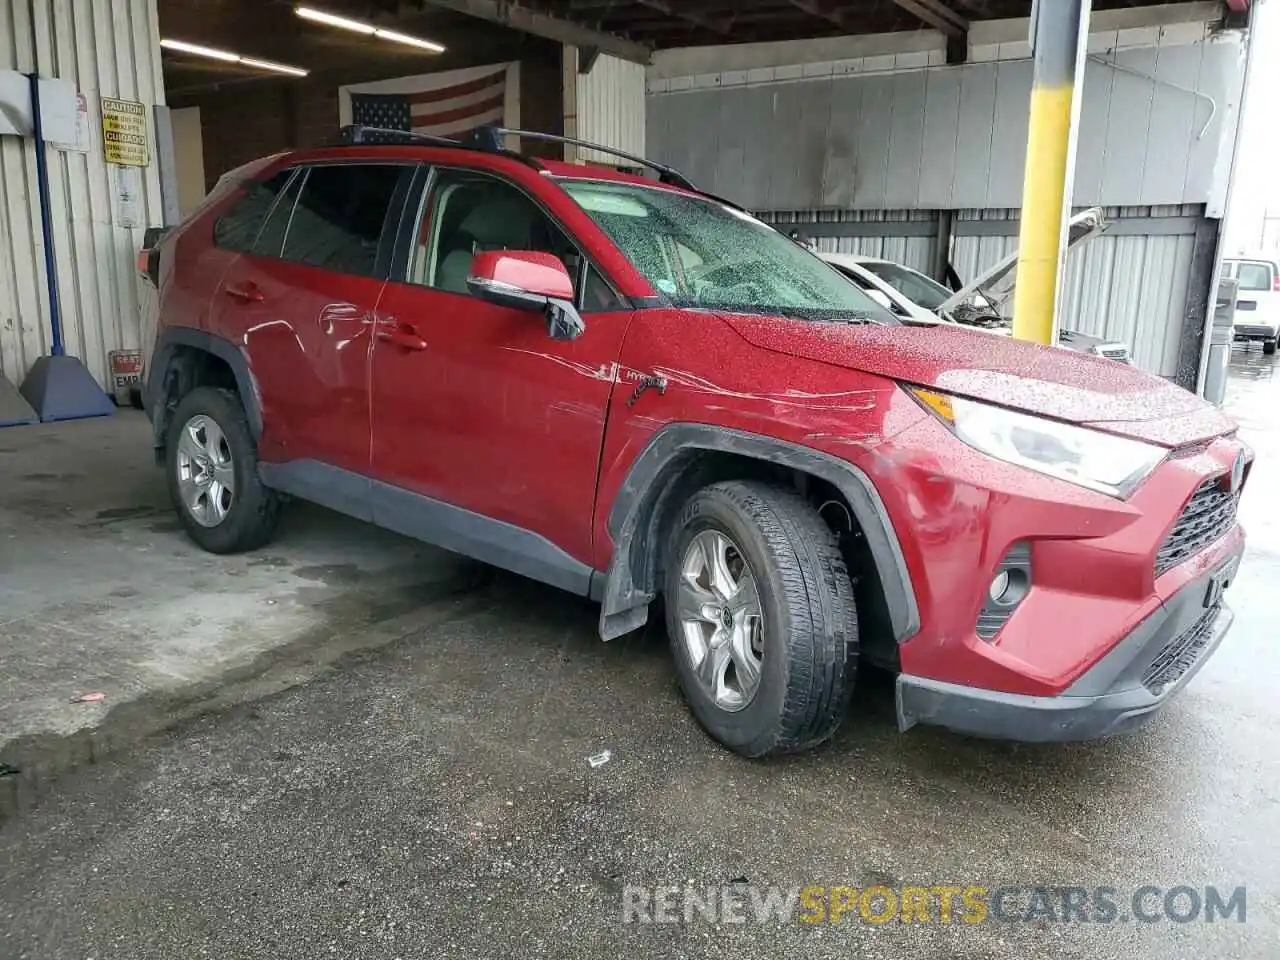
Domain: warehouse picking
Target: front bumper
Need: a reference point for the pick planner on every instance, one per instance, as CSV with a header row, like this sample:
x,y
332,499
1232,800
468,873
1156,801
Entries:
x,y
1118,694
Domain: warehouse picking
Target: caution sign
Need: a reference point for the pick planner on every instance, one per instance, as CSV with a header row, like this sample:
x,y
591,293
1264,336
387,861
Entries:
x,y
124,132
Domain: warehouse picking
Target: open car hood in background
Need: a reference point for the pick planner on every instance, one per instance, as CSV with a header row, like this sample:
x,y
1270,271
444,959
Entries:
x,y
997,282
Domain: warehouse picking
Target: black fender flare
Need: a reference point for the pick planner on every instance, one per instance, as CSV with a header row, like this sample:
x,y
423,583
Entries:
x,y
170,339
627,589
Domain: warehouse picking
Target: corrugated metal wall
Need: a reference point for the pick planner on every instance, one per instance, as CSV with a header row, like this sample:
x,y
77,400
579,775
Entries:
x,y
903,236
611,107
895,132
1127,286
107,48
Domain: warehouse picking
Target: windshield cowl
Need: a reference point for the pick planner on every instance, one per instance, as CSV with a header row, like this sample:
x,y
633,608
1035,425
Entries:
x,y
788,313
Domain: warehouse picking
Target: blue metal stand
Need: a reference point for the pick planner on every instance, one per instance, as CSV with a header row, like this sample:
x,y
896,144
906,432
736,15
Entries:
x,y
58,386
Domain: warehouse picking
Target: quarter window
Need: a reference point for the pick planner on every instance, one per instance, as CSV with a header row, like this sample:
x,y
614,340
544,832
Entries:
x,y
597,296
238,228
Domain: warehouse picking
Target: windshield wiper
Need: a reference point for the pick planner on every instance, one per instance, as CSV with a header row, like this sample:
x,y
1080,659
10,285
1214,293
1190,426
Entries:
x,y
852,317
818,315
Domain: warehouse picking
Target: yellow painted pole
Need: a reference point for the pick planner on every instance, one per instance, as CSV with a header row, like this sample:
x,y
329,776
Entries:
x,y
1060,30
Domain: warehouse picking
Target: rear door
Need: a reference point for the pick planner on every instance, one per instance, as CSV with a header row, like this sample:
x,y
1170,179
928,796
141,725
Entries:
x,y
240,302
303,301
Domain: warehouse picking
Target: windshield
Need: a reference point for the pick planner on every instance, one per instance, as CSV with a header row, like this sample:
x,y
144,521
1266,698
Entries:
x,y
916,287
704,254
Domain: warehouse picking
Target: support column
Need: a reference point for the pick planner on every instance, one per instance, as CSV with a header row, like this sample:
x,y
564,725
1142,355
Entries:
x,y
1060,32
942,247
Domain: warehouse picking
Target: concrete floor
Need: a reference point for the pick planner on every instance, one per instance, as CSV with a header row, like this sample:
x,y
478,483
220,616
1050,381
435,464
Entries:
x,y
101,592
430,795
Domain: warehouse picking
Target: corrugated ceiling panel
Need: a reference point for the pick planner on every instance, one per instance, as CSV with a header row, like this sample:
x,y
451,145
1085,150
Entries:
x,y
107,48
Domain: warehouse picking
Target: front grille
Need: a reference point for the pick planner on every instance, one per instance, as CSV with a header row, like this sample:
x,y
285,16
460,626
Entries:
x,y
1208,515
1180,654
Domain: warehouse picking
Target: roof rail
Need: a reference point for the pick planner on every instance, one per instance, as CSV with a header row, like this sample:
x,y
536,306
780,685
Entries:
x,y
488,139
666,174
359,133
480,139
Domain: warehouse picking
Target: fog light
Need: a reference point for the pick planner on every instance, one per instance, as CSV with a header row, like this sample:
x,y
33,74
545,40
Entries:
x,y
1008,588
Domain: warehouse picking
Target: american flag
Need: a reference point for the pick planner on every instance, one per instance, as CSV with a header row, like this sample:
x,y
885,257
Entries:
x,y
442,104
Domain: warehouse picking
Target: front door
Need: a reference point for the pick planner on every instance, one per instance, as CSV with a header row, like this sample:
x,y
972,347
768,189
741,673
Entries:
x,y
474,405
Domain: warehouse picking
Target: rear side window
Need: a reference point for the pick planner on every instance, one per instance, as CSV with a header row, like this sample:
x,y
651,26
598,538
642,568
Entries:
x,y
238,228
339,217
1254,275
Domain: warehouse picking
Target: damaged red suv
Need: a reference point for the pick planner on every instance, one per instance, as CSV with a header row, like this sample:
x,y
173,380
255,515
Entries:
x,y
636,392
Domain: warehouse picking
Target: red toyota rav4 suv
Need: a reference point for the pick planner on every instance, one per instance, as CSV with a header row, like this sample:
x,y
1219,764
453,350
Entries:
x,y
631,390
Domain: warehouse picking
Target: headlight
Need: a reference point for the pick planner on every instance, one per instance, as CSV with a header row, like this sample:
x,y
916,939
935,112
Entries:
x,y
1099,461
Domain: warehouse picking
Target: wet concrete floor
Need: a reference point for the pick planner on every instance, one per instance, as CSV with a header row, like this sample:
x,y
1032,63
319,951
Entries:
x,y
433,798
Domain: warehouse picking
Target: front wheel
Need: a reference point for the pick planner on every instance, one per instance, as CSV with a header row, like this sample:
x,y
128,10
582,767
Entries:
x,y
212,462
761,618
1269,347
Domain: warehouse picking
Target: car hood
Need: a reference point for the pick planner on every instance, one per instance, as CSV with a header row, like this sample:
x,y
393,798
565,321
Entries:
x,y
1047,381
997,282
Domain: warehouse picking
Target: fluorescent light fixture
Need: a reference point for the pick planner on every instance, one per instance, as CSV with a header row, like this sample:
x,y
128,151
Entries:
x,y
367,29
272,65
395,37
227,56
199,51
329,20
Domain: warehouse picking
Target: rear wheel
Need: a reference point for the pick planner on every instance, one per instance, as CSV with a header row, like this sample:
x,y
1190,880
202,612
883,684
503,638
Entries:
x,y
212,463
761,618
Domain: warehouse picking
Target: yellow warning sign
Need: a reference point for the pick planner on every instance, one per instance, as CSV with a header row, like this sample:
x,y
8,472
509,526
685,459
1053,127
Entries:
x,y
124,132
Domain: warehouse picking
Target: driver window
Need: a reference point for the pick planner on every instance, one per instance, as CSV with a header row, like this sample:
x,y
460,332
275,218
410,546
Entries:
x,y
467,213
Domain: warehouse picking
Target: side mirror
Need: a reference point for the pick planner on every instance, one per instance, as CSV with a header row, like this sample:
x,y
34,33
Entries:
x,y
528,280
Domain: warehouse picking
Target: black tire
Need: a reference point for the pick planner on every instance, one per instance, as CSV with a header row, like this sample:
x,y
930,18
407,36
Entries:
x,y
1269,347
255,508
809,617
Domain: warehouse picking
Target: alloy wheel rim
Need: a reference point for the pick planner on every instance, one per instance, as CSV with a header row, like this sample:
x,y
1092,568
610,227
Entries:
x,y
206,471
721,620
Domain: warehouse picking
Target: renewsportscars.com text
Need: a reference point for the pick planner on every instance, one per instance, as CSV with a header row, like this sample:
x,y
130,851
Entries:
x,y
941,903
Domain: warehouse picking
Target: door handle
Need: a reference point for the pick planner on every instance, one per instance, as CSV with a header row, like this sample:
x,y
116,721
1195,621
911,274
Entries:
x,y
403,336
249,293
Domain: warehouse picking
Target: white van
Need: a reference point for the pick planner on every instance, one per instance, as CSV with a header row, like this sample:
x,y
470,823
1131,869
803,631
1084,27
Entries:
x,y
1258,300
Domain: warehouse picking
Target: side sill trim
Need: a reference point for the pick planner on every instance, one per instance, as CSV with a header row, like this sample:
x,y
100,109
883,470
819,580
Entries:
x,y
431,521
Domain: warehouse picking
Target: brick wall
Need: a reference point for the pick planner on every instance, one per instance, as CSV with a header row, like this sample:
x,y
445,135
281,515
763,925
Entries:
x,y
242,122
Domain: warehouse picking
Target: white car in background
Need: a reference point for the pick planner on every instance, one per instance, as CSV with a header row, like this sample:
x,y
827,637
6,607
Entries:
x,y
1257,301
911,294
